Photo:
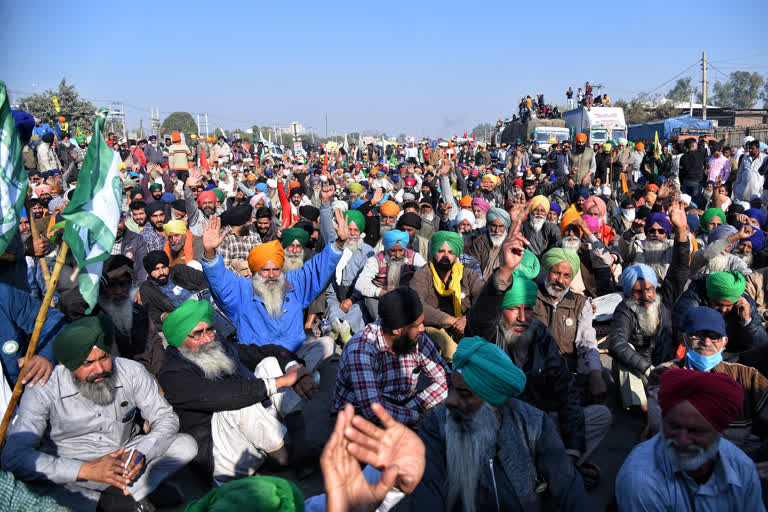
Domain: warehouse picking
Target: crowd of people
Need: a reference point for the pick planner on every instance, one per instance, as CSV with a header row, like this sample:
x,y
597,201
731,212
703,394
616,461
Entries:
x,y
488,315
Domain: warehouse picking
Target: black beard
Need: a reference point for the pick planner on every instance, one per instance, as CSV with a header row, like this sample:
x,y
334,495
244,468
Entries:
x,y
157,197
161,281
443,263
403,346
262,232
120,233
579,149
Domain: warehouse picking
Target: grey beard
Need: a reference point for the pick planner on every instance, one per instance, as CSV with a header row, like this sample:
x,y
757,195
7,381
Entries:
x,y
707,194
315,195
538,222
121,312
467,443
272,295
428,217
175,248
695,458
516,345
211,358
718,263
293,261
480,222
100,393
497,239
383,227
647,317
571,242
746,258
394,271
354,245
654,252
554,292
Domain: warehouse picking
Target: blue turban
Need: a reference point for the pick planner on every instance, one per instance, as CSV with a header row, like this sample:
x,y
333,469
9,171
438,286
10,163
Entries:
x,y
554,207
262,187
661,219
314,180
25,124
580,192
210,187
722,231
693,221
365,184
632,273
168,197
357,204
757,239
488,370
394,236
498,213
758,215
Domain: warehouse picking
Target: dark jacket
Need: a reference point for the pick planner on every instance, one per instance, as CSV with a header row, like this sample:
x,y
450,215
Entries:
x,y
158,302
195,398
636,350
135,247
528,452
549,385
692,166
546,238
740,337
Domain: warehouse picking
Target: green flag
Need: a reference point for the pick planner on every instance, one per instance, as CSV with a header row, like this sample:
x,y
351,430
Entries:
x,y
94,212
13,176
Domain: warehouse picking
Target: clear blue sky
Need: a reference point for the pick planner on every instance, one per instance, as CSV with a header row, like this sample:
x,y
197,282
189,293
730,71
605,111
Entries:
x,y
403,67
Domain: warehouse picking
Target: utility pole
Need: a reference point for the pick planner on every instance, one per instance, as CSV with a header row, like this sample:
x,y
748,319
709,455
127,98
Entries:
x,y
703,85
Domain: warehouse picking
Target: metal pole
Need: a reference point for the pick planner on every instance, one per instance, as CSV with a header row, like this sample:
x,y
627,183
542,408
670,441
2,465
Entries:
x,y
703,85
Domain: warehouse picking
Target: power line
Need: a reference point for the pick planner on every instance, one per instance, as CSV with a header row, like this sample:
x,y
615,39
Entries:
x,y
668,81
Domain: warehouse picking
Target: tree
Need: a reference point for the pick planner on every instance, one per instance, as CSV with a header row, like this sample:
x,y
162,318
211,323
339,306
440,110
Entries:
x,y
182,122
681,91
79,113
741,90
482,130
764,95
637,111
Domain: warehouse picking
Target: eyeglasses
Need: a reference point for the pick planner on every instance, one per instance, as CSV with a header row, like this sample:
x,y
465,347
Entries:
x,y
713,337
658,231
198,335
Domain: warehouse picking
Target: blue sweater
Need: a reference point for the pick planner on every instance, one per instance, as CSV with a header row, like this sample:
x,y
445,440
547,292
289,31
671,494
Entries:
x,y
234,295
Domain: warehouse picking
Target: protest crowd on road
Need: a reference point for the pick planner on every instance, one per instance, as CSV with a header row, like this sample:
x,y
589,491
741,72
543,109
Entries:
x,y
491,316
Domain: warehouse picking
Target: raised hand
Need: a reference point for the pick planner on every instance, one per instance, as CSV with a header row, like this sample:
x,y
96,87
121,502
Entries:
x,y
512,251
746,231
341,227
378,195
677,216
326,193
212,235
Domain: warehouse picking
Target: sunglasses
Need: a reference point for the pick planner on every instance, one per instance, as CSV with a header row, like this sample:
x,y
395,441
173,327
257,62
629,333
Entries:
x,y
659,231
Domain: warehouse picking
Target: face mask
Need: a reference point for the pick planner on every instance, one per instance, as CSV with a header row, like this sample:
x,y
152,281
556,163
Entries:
x,y
704,363
628,214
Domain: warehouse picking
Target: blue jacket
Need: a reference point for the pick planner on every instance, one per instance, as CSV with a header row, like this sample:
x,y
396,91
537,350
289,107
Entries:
x,y
18,312
234,295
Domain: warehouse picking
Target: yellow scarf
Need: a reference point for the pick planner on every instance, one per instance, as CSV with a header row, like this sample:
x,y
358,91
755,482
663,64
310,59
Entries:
x,y
454,288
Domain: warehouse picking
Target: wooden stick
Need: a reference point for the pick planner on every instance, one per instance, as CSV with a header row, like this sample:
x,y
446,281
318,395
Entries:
x,y
41,315
35,236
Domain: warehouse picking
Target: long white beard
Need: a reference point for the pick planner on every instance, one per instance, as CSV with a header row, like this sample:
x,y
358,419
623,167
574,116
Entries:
x,y
271,295
293,261
480,222
695,456
428,217
497,239
466,444
746,258
571,242
647,317
537,222
121,312
354,244
211,358
718,263
394,271
654,251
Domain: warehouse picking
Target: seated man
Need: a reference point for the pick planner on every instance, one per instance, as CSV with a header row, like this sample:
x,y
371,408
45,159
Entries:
x,y
220,389
705,340
346,310
655,249
269,307
410,223
724,291
153,232
641,334
446,289
688,465
540,233
485,246
76,438
383,362
241,236
719,254
181,246
389,269
569,317
503,315
598,263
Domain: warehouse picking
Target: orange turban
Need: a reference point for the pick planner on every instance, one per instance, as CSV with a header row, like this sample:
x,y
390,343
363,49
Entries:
x,y
61,119
261,254
639,146
175,137
569,217
581,137
389,208
465,201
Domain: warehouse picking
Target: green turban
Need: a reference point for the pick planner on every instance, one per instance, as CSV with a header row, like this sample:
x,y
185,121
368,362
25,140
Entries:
x,y
488,370
529,266
74,343
356,217
726,285
155,186
523,291
291,234
184,318
219,195
262,493
707,217
558,255
455,242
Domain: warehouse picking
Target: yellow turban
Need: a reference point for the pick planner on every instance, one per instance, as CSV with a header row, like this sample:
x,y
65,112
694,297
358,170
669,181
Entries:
x,y
539,201
571,215
178,227
261,254
389,208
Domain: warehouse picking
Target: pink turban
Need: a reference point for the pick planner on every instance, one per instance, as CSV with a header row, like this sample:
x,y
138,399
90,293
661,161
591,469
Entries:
x,y
482,204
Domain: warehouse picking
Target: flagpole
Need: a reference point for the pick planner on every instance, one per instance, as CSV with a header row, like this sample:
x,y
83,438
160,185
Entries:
x,y
41,315
35,236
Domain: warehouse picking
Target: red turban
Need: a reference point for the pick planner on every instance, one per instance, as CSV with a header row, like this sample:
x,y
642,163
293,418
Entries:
x,y
715,395
208,195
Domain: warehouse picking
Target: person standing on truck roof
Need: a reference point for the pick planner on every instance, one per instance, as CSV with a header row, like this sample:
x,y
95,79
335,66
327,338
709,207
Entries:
x,y
569,96
581,160
580,97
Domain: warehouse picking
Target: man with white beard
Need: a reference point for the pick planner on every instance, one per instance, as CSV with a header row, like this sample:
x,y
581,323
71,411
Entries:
x,y
485,247
388,269
723,252
76,438
656,250
540,234
293,241
641,334
231,397
688,465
